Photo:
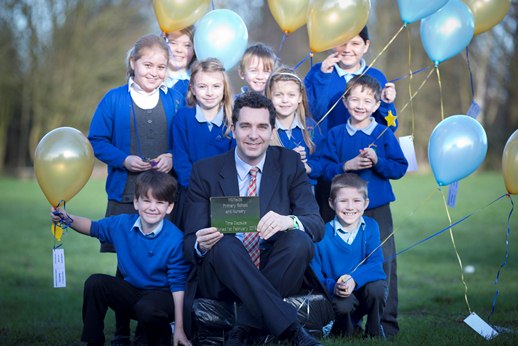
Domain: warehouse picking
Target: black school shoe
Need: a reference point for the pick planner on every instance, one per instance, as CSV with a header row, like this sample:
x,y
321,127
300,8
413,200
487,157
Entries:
x,y
299,336
237,336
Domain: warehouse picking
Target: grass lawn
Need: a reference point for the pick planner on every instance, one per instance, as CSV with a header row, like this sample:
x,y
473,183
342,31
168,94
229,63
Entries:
x,y
432,302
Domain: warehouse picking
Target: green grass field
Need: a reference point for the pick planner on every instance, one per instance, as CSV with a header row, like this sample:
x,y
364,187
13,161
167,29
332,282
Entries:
x,y
431,293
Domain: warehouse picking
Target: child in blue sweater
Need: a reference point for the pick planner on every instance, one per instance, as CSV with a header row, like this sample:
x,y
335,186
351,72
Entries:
x,y
203,129
255,67
150,260
294,127
372,151
348,261
327,81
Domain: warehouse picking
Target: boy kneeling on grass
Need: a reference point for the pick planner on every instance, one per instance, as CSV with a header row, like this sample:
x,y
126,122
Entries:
x,y
150,258
349,260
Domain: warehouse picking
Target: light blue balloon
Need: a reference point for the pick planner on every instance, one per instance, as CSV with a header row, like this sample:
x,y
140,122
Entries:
x,y
221,34
448,31
412,10
457,147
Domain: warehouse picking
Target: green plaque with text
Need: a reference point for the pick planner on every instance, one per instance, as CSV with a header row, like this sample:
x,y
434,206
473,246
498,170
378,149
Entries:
x,y
235,214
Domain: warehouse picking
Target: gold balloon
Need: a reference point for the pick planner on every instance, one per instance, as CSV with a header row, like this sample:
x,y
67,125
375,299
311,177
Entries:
x,y
63,163
174,15
334,22
510,164
289,14
487,13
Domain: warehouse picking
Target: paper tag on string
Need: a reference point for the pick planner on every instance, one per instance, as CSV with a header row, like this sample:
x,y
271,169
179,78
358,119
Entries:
x,y
474,110
452,194
407,146
480,326
58,266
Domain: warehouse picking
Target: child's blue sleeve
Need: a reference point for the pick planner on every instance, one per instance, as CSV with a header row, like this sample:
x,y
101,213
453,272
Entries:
x,y
181,160
329,159
102,129
316,265
372,269
317,84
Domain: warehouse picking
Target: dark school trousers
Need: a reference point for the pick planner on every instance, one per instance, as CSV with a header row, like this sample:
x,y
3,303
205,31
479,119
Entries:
x,y
153,309
227,273
383,216
368,300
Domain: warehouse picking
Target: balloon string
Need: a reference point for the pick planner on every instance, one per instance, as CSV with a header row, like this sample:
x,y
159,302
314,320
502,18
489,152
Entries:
x,y
443,230
506,257
440,90
310,55
411,74
282,43
364,71
411,79
64,219
396,229
470,75
456,253
417,92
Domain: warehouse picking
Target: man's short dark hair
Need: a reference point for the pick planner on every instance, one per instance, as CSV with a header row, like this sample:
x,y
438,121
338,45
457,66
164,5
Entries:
x,y
255,100
160,185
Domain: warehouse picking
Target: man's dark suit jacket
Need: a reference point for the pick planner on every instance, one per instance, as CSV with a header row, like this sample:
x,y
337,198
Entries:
x,y
284,188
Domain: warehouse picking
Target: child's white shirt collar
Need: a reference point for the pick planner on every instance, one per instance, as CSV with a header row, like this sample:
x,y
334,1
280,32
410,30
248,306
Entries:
x,y
153,233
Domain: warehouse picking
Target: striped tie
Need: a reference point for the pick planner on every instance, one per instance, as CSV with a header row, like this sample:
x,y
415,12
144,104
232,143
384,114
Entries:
x,y
251,240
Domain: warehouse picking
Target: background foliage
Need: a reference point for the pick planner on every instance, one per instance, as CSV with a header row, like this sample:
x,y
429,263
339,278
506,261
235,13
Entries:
x,y
58,57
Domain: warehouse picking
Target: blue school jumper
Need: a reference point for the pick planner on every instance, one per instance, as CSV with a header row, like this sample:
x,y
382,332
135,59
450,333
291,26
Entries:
x,y
324,89
194,141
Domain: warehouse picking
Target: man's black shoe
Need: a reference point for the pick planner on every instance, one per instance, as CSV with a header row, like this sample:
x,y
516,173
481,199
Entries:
x,y
237,336
121,341
303,338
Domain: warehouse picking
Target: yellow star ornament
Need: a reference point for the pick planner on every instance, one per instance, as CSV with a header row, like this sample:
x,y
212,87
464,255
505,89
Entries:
x,y
391,119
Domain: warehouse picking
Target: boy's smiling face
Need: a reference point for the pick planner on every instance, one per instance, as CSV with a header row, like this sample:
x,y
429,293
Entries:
x,y
151,211
351,53
361,103
349,205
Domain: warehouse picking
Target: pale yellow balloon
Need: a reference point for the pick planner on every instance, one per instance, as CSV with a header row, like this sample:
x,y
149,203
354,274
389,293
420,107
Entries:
x,y
63,163
289,14
510,164
333,22
174,15
487,13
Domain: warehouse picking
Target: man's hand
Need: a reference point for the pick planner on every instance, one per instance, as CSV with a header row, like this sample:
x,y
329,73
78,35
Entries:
x,y
207,238
272,223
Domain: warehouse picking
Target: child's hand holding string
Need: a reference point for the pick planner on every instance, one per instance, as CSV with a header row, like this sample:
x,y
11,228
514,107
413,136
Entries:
x,y
344,286
358,163
370,154
388,94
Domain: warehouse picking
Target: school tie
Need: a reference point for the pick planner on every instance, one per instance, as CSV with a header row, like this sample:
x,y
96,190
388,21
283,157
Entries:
x,y
251,240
